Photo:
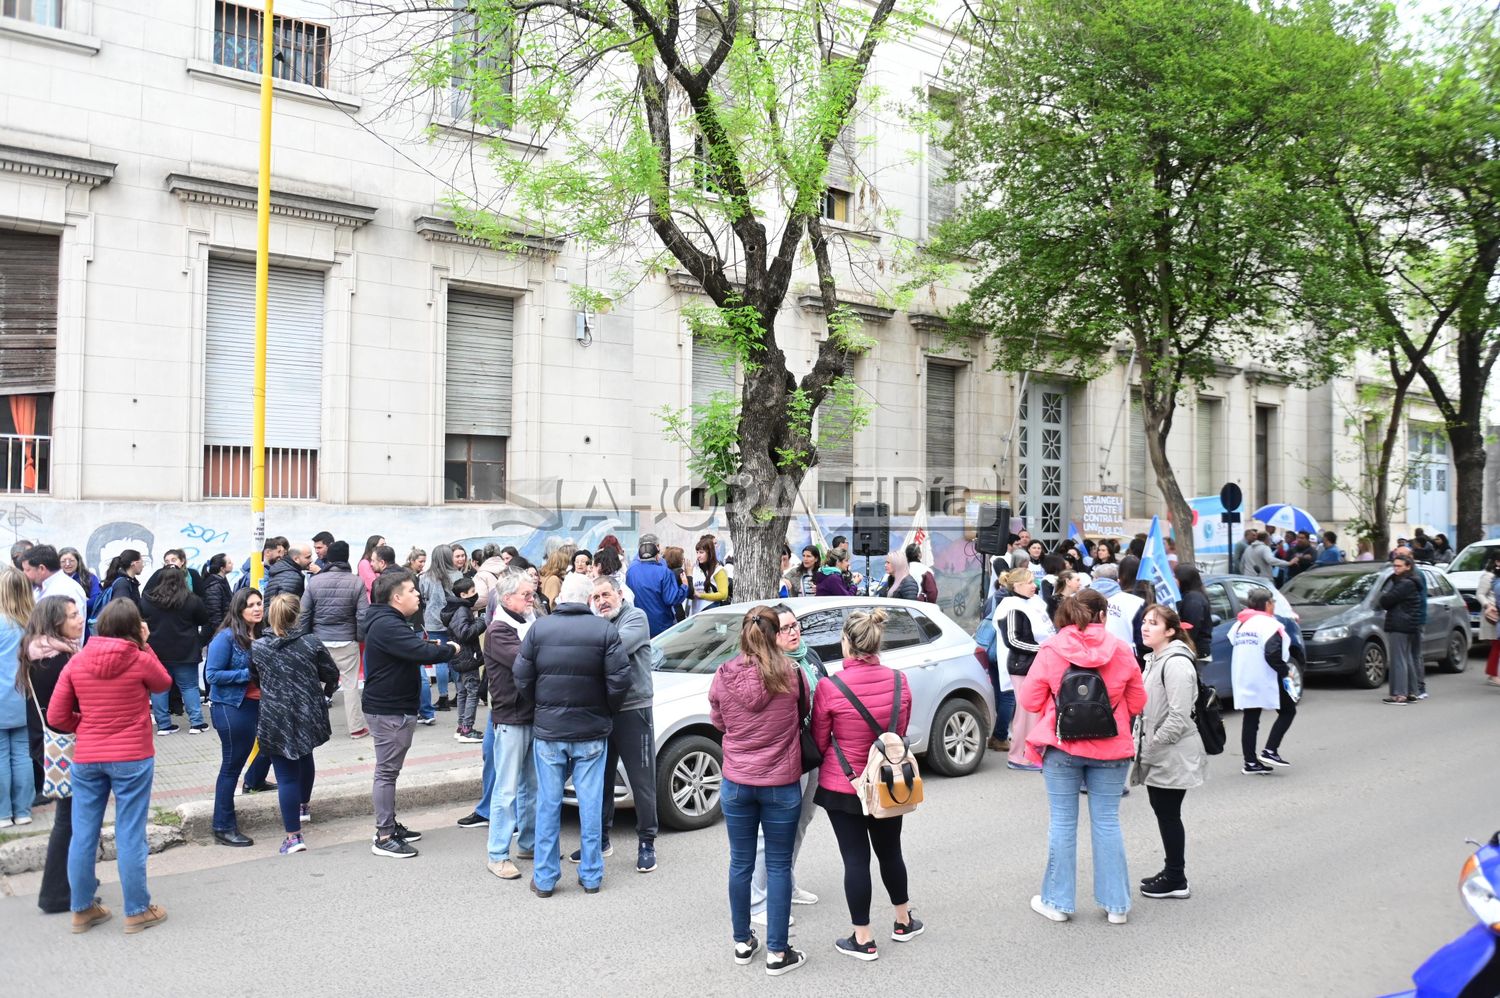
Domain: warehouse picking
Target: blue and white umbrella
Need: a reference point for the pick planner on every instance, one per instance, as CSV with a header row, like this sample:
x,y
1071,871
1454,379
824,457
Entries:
x,y
1285,517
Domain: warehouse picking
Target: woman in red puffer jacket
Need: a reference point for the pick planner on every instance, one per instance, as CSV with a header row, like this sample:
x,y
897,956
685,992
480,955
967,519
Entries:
x,y
835,717
105,696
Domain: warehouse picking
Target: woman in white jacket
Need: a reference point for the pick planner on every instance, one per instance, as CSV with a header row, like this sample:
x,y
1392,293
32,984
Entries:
x,y
1021,621
1169,758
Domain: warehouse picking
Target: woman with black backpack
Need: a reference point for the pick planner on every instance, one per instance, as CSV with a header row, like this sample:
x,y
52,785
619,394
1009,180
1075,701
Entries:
x,y
1170,757
1086,685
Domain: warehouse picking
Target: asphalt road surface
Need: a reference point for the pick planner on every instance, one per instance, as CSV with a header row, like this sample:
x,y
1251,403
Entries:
x,y
1335,877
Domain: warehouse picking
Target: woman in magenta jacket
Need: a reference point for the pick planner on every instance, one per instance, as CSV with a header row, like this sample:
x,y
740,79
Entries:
x,y
1100,764
754,701
836,717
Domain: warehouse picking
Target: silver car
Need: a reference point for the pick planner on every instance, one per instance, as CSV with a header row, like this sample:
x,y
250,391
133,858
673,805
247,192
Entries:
x,y
953,705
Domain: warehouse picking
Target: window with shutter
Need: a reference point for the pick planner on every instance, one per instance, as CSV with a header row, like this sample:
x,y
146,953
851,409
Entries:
x,y
28,311
942,190
1140,459
941,394
294,381
477,395
836,459
1205,438
713,378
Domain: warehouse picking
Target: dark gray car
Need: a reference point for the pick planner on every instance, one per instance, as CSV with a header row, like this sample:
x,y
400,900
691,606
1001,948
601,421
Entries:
x,y
1343,624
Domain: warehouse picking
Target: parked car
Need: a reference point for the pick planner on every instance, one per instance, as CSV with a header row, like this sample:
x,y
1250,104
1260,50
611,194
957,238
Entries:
x,y
1339,606
953,706
1227,596
1464,571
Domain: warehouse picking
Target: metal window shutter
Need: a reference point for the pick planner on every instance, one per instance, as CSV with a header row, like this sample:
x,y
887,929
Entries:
x,y
836,462
942,191
841,157
481,338
1140,460
294,356
941,383
712,375
28,312
1206,418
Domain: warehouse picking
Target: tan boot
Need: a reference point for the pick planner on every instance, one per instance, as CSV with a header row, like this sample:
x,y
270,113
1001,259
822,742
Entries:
x,y
85,920
505,870
154,914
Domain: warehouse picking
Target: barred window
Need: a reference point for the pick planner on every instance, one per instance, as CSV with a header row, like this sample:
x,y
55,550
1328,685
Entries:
x,y
302,47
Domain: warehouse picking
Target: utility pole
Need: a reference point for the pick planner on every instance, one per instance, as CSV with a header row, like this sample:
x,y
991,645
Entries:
x,y
262,285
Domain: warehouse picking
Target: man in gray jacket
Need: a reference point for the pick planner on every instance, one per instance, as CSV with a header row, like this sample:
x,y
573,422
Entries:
x,y
333,602
633,738
1259,561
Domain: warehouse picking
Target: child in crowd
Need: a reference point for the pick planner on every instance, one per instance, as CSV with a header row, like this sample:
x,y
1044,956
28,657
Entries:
x,y
465,626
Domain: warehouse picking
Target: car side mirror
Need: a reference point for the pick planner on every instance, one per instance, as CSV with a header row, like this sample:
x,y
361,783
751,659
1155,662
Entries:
x,y
1217,620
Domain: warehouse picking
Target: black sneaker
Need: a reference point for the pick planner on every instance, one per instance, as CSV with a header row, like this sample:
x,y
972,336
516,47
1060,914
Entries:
x,y
576,856
1163,886
473,820
169,729
745,952
1154,876
1273,758
197,729
645,858
910,930
587,889
790,961
1257,769
268,785
393,848
860,951
406,834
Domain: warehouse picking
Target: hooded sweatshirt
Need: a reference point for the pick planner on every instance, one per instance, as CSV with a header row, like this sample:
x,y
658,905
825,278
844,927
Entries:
x,y
761,730
104,696
1090,648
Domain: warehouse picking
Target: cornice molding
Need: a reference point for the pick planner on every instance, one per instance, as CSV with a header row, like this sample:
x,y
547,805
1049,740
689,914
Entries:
x,y
870,313
312,207
55,166
441,230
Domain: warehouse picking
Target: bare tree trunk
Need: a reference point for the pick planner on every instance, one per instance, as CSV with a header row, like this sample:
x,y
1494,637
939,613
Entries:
x,y
1468,464
1158,417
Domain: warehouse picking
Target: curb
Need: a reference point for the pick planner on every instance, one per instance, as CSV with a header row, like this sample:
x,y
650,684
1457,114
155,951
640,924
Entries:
x,y
259,812
29,855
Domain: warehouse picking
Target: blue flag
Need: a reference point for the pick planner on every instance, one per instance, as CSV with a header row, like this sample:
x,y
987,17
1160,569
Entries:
x,y
1083,546
1155,568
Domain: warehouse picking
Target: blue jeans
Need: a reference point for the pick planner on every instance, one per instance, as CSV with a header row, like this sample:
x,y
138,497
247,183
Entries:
x,y
487,770
16,784
513,801
551,762
1064,775
294,783
774,810
236,728
185,675
440,668
424,697
92,784
1005,710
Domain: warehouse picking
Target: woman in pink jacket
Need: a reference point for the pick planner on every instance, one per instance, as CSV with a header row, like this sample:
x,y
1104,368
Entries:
x,y
754,701
1069,765
836,718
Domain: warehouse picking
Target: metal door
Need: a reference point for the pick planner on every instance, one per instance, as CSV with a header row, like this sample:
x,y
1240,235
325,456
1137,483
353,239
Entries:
x,y
1042,469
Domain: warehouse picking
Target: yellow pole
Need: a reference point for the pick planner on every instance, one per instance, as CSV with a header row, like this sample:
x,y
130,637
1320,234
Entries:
x,y
262,282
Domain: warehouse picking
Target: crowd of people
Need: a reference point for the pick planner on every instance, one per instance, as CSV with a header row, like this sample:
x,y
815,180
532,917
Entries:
x,y
562,654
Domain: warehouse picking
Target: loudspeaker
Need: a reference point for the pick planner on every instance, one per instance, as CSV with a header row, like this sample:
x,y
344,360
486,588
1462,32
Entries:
x,y
872,528
994,525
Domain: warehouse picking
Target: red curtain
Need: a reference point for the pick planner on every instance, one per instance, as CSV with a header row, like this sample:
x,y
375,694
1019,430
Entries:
x,y
23,413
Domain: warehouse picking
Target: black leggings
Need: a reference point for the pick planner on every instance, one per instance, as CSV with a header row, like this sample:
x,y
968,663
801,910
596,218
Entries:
x,y
857,834
1250,726
1168,807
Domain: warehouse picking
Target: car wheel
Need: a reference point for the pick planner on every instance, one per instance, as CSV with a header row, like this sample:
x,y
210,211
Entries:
x,y
1372,667
956,745
688,775
1457,659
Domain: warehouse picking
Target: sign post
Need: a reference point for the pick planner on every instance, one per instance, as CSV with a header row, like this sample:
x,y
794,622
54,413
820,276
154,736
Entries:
x,y
1230,497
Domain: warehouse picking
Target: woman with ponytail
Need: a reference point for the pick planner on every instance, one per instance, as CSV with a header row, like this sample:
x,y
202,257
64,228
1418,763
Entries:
x,y
53,634
754,701
120,579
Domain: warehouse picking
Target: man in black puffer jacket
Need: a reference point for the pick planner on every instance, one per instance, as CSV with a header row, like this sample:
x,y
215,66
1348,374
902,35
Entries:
x,y
575,672
1404,600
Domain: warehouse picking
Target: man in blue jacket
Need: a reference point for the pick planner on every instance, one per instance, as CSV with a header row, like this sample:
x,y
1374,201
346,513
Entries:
x,y
655,587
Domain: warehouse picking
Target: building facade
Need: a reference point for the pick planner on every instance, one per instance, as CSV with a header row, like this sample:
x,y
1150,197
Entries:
x,y
429,387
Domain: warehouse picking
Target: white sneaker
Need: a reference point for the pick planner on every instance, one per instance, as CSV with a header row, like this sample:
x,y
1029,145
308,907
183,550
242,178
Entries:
x,y
799,896
1046,910
1116,918
759,918
6,823
24,821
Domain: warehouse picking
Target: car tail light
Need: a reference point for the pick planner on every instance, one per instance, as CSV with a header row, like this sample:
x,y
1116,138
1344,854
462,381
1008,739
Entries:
x,y
983,657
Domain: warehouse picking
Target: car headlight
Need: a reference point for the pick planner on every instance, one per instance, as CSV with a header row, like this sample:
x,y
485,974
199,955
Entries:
x,y
1330,634
1479,894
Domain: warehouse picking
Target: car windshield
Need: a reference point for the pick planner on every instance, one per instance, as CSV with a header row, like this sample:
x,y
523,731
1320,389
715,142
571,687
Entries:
x,y
699,644
1333,589
1472,558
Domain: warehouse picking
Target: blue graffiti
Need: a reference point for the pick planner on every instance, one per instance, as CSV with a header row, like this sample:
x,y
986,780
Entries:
x,y
207,535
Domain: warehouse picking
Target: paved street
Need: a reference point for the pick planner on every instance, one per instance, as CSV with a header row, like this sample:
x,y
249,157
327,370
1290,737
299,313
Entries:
x,y
1336,877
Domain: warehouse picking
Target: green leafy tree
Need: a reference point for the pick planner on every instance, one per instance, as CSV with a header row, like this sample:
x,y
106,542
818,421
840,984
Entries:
x,y
1135,171
705,129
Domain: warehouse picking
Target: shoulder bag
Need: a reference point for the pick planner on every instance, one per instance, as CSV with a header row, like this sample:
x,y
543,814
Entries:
x,y
57,758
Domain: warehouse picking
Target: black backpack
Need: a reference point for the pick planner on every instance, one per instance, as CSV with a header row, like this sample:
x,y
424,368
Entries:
x,y
1083,707
1207,713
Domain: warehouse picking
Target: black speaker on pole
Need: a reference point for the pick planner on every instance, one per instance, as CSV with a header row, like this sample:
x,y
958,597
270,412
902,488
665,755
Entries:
x,y
994,528
872,528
